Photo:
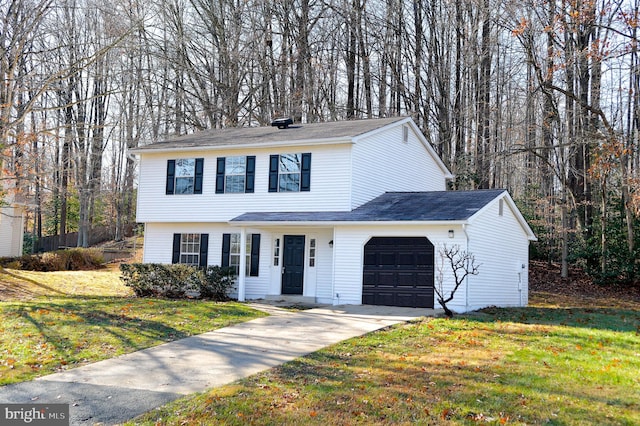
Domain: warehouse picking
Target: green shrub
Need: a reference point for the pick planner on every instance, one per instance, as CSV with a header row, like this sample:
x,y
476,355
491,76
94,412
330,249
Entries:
x,y
217,282
177,280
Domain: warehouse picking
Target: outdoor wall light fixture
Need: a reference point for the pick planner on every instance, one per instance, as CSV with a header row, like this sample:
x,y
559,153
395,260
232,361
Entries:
x,y
331,243
450,233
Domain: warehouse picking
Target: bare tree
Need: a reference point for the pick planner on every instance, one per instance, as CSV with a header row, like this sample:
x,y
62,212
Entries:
x,y
460,264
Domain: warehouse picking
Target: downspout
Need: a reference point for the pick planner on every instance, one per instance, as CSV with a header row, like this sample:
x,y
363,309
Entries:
x,y
144,246
243,265
523,268
335,297
21,233
466,284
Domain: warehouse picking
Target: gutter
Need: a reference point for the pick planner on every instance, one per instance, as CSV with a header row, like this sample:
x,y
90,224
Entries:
x,y
325,223
466,284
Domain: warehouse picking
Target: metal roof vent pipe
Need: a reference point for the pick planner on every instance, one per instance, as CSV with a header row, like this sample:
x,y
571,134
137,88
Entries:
x,y
282,123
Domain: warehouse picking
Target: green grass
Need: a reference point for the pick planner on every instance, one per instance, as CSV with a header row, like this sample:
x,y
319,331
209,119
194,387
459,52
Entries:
x,y
24,285
545,365
88,316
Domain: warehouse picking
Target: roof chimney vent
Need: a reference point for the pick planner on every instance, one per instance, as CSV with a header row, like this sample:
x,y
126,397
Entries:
x,y
282,123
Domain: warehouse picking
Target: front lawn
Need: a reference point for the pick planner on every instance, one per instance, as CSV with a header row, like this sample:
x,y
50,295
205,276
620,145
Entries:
x,y
538,365
51,321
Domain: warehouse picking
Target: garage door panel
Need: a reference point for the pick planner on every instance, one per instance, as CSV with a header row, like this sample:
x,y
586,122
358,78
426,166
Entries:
x,y
369,278
405,258
424,279
406,279
405,300
387,259
398,271
386,279
385,298
370,258
424,300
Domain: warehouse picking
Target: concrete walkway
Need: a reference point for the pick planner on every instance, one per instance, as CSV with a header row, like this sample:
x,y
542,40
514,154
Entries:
x,y
118,389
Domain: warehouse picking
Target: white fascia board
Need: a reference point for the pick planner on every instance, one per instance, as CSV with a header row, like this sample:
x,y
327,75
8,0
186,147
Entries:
x,y
447,173
325,224
523,222
383,128
300,142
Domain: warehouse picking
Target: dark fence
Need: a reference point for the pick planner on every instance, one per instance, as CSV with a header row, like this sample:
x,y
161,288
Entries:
x,y
97,235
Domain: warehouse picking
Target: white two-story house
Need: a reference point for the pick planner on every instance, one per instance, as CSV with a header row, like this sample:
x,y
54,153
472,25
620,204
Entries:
x,y
350,212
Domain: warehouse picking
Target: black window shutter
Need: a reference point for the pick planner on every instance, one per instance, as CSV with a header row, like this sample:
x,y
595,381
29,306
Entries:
x,y
226,249
176,248
255,255
305,172
250,176
197,183
204,250
273,173
220,175
171,176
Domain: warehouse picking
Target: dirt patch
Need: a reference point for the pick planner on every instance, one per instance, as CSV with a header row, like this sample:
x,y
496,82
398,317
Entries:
x,y
546,286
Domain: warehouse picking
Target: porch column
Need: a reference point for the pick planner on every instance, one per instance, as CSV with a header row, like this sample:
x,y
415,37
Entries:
x,y
243,264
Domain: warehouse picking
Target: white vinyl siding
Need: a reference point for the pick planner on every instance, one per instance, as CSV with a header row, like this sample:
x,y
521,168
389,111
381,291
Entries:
x,y
501,280
330,188
382,163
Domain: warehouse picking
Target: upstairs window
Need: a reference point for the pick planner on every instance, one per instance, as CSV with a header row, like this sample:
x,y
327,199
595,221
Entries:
x,y
290,172
190,249
235,174
231,253
184,176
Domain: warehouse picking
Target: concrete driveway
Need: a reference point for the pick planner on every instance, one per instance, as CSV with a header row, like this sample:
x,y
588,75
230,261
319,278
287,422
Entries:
x,y
118,389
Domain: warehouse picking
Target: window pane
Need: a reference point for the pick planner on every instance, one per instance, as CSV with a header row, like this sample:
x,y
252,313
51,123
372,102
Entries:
x,y
235,165
185,167
234,262
190,249
290,163
289,182
184,186
234,184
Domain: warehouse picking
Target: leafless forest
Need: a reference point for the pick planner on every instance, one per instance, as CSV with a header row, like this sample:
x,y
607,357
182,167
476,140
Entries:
x,y
539,97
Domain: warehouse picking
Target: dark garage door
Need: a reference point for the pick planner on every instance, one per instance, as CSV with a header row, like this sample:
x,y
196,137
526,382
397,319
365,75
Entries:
x,y
398,271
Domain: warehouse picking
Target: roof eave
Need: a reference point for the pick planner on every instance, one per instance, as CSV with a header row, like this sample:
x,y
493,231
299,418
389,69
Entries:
x,y
299,142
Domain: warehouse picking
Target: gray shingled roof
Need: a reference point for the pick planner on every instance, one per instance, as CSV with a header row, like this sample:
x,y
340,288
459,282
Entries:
x,y
433,206
267,134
